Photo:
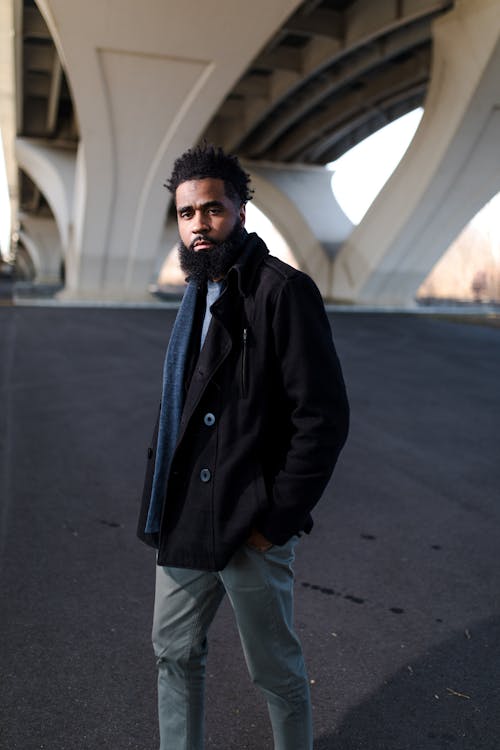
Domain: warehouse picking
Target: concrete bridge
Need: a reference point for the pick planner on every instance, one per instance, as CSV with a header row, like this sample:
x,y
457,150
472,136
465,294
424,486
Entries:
x,y
97,100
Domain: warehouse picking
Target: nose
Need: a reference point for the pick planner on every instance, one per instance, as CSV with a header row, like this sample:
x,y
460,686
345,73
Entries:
x,y
200,225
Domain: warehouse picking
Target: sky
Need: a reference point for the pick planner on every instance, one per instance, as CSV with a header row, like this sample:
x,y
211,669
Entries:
x,y
360,173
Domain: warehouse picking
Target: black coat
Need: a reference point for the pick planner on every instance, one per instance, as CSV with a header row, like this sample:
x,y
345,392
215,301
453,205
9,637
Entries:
x,y
264,419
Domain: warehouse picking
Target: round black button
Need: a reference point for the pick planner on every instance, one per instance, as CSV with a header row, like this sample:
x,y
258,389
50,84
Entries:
x,y
209,419
205,475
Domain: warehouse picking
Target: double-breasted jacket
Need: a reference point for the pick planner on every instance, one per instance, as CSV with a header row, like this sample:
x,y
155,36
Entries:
x,y
263,422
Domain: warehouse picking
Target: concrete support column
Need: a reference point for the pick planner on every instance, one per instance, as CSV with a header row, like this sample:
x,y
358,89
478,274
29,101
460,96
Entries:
x,y
42,240
299,201
146,78
451,169
48,239
8,116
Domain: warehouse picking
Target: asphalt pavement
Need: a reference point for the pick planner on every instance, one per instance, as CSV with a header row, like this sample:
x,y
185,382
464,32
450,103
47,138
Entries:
x,y
398,586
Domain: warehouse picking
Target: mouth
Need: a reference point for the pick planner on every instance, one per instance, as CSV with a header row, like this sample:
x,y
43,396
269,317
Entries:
x,y
202,244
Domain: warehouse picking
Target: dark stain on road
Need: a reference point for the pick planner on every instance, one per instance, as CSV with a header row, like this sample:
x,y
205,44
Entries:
x,y
331,592
350,597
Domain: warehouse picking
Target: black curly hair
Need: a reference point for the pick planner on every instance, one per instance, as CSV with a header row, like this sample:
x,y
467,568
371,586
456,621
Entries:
x,y
207,160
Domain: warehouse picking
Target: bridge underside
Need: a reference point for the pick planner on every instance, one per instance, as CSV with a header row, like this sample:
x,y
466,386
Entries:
x,y
107,98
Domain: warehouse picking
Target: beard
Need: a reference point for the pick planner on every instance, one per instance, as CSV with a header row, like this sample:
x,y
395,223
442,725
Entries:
x,y
208,265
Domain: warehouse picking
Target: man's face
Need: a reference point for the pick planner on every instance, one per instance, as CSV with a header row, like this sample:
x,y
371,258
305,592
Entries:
x,y
205,215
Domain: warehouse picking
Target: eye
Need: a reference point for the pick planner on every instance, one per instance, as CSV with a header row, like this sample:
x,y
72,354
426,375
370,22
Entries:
x,y
185,213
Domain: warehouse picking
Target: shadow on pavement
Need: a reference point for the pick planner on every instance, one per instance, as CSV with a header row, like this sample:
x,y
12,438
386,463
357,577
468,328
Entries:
x,y
447,700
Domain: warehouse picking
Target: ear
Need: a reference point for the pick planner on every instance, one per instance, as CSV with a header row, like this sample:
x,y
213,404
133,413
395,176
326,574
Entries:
x,y
243,214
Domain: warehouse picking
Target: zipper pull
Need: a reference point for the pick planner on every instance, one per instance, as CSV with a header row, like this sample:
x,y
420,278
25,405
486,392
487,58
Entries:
x,y
244,363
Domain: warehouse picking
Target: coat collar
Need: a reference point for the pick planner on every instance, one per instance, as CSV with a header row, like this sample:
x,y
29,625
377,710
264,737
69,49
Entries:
x,y
246,267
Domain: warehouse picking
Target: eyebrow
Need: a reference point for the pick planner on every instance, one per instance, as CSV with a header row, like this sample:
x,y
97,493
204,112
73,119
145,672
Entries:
x,y
205,206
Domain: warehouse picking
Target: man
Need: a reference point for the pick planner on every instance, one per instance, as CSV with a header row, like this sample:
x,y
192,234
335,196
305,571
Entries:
x,y
253,416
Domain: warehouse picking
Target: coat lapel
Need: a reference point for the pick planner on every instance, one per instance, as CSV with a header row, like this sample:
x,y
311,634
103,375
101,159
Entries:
x,y
216,349
226,326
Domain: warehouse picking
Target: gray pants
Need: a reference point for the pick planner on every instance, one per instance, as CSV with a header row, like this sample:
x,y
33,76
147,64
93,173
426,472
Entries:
x,y
260,588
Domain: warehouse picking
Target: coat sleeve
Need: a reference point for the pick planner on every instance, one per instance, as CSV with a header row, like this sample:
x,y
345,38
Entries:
x,y
317,402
